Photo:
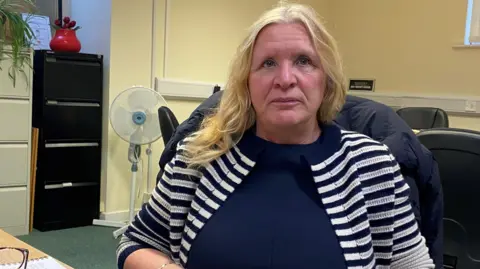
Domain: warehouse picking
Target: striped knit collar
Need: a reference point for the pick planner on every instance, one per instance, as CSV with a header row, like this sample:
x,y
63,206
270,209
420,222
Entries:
x,y
252,146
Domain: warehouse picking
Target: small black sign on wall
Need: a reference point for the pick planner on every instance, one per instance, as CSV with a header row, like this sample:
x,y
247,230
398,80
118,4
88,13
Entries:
x,y
362,85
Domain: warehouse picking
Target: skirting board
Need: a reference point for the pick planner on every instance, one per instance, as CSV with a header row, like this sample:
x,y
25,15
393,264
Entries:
x,y
116,215
469,105
16,230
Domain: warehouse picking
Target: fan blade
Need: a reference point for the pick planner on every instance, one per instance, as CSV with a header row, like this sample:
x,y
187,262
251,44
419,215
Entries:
x,y
142,99
122,123
151,127
137,137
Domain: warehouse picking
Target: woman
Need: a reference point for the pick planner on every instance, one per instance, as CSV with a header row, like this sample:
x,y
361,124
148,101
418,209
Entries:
x,y
268,181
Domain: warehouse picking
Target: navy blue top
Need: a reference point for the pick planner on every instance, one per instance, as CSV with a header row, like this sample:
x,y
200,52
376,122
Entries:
x,y
280,184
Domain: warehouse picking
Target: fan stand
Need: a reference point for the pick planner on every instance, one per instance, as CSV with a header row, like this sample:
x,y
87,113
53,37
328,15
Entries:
x,y
147,194
133,157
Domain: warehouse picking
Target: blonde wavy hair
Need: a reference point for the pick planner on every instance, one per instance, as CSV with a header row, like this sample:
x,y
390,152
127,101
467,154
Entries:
x,y
224,127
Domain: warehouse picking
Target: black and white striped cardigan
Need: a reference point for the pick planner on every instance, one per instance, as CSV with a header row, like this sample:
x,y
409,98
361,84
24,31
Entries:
x,y
360,184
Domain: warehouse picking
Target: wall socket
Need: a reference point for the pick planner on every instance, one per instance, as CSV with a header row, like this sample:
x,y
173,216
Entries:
x,y
471,106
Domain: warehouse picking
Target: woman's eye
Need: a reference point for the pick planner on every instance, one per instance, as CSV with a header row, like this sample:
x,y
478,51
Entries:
x,y
302,60
268,63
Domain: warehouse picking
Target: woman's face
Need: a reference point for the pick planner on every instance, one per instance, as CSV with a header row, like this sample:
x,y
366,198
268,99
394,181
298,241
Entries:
x,y
286,80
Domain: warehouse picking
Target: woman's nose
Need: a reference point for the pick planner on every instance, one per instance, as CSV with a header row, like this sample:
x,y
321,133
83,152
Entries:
x,y
285,77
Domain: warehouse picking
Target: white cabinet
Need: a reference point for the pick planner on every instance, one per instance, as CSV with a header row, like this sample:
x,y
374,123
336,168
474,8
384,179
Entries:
x,y
15,148
13,158
13,209
14,114
21,89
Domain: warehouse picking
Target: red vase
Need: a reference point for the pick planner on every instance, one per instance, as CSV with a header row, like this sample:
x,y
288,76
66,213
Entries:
x,y
65,40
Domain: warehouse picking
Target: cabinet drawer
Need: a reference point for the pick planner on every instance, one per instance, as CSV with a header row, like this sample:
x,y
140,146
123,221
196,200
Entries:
x,y
70,163
13,164
67,206
13,206
21,88
14,120
69,78
72,121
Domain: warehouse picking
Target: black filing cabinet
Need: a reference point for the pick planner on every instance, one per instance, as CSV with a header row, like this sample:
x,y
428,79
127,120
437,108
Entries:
x,y
67,109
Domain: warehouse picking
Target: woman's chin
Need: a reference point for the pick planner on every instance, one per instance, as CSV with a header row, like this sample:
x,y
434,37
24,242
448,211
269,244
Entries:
x,y
285,119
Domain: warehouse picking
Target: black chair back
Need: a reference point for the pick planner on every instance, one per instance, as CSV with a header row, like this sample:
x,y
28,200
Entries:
x,y
168,123
424,117
457,152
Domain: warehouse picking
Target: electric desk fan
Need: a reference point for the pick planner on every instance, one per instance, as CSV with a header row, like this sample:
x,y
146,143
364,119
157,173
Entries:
x,y
134,118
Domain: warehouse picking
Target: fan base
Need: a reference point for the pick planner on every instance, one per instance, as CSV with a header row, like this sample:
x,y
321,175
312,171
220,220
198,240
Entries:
x,y
116,224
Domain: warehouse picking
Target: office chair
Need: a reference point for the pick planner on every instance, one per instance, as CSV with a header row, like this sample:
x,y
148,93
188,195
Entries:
x,y
424,117
168,123
457,152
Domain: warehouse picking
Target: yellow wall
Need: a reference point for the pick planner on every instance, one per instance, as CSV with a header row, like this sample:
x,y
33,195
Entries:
x,y
408,47
203,35
130,57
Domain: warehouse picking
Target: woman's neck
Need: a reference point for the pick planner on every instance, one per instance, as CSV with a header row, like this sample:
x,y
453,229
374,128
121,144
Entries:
x,y
305,133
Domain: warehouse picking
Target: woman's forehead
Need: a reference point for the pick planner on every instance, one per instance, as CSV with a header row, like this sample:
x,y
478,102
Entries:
x,y
285,37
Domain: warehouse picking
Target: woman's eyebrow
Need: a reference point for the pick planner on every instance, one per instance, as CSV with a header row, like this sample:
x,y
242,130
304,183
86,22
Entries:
x,y
272,53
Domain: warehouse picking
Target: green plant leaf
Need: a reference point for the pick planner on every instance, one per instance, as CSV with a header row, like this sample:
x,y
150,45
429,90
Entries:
x,y
16,36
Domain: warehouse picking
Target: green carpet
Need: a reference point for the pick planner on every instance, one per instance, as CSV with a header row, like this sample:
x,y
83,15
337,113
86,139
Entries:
x,y
90,247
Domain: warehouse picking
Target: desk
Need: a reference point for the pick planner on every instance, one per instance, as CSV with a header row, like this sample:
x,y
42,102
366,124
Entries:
x,y
10,241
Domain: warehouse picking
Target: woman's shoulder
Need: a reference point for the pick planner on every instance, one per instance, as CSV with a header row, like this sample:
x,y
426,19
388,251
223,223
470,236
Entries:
x,y
359,141
179,163
377,170
366,153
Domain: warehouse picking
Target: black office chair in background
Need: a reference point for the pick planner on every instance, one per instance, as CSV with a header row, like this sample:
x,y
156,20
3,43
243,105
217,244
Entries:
x,y
457,152
424,117
168,123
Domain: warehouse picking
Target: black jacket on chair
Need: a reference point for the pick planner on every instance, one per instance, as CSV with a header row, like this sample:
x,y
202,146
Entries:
x,y
381,123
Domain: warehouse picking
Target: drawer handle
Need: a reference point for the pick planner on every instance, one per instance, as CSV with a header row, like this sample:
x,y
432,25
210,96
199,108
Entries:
x,y
73,61
69,185
70,145
60,103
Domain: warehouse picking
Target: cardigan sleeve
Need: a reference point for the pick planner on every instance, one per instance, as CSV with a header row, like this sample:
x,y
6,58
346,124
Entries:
x,y
151,226
409,246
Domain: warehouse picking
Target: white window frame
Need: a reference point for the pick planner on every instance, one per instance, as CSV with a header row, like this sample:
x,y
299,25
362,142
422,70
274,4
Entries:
x,y
472,29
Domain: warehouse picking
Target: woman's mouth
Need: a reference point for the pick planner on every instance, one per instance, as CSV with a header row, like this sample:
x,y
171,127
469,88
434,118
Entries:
x,y
285,101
